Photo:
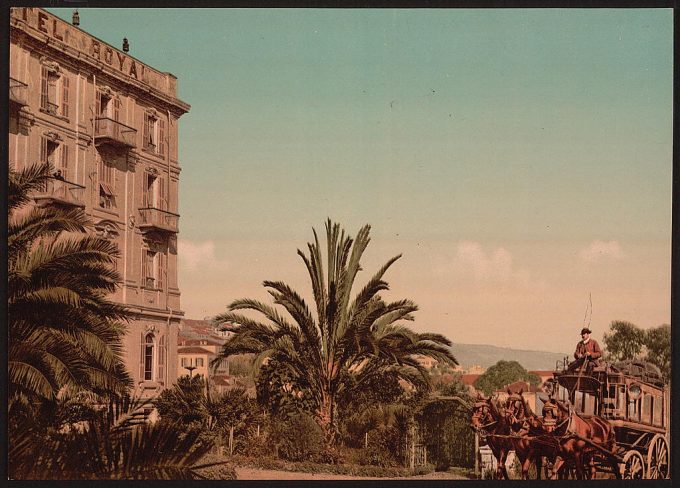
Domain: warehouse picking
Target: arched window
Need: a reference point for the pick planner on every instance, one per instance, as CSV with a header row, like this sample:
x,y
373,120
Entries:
x,y
148,357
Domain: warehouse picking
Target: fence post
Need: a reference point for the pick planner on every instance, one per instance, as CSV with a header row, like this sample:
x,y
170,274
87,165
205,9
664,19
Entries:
x,y
412,461
477,454
231,441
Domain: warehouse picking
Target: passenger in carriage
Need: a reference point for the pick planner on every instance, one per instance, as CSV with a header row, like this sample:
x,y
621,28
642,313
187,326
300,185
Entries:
x,y
587,350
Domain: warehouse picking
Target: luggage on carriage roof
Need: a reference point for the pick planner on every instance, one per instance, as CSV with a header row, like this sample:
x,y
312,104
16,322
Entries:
x,y
642,370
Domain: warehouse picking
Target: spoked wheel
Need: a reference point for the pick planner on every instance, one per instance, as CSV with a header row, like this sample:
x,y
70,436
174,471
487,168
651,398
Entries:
x,y
633,466
658,466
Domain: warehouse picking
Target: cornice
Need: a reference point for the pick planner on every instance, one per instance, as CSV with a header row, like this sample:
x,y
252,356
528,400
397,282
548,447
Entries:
x,y
44,43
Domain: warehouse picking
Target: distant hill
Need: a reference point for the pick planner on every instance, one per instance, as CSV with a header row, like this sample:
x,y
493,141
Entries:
x,y
486,355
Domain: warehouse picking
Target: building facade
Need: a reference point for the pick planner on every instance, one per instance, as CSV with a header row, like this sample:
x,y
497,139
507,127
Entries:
x,y
108,124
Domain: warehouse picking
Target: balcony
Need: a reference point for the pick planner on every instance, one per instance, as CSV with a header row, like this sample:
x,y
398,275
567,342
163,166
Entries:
x,y
155,219
18,92
61,192
51,108
109,131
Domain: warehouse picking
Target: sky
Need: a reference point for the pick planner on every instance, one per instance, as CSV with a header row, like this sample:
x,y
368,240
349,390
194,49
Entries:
x,y
519,160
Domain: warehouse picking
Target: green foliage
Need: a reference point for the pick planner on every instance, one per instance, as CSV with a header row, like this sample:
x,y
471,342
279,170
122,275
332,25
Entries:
x,y
658,342
64,332
214,415
383,448
241,366
297,438
627,341
503,373
624,341
106,447
183,403
348,341
455,388
445,425
281,392
315,467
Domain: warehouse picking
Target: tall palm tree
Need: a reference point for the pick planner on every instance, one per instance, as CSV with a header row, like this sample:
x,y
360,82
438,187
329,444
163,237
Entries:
x,y
348,341
64,332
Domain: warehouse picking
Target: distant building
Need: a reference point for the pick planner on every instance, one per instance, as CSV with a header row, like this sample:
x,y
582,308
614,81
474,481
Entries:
x,y
108,124
475,369
194,361
469,381
199,342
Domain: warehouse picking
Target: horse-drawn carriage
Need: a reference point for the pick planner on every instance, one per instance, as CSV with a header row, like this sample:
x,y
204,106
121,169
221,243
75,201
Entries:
x,y
609,419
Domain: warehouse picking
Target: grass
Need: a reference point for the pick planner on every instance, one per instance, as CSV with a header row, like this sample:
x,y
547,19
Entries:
x,y
311,467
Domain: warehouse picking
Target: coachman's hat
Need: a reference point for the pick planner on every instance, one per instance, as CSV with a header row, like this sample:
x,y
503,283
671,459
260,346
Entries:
x,y
585,330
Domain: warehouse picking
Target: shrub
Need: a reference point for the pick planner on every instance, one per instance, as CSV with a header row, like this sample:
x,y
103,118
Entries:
x,y
383,445
218,471
297,438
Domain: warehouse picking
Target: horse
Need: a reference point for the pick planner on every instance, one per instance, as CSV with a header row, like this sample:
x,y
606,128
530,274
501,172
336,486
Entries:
x,y
530,441
488,420
573,433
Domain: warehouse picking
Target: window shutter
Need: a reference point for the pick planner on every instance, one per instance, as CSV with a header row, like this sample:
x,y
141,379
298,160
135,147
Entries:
x,y
161,136
161,270
43,150
144,275
161,358
142,345
64,95
98,108
162,194
44,88
64,162
146,135
116,109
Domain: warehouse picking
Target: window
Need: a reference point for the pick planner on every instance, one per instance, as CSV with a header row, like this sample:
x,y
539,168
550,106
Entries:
x,y
154,134
108,106
148,272
54,92
155,194
657,417
107,181
634,409
184,362
199,362
148,357
153,269
57,155
647,408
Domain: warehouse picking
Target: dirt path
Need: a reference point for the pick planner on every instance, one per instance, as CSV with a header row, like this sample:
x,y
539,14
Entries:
x,y
244,473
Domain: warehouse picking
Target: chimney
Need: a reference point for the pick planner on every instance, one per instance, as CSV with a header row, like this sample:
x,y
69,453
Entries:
x,y
126,45
76,18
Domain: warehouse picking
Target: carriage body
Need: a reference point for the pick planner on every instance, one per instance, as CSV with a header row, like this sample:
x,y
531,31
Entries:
x,y
632,397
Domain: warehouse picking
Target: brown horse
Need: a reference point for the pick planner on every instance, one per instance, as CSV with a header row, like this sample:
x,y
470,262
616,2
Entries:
x,y
575,435
530,441
490,422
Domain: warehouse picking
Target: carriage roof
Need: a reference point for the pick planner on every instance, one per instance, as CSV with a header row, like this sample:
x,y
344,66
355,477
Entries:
x,y
628,371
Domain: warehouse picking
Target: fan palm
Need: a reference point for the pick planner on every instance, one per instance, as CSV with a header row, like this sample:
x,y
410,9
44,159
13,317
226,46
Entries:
x,y
64,332
348,341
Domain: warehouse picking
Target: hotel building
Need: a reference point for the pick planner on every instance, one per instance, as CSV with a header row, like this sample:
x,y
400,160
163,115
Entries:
x,y
108,124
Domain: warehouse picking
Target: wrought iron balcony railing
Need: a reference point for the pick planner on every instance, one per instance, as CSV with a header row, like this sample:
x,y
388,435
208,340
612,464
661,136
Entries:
x,y
18,92
60,191
111,131
51,108
159,220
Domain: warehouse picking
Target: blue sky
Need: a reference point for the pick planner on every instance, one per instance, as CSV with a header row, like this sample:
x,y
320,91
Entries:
x,y
520,159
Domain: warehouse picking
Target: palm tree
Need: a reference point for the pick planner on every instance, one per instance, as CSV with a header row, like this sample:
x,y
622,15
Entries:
x,y
347,342
64,332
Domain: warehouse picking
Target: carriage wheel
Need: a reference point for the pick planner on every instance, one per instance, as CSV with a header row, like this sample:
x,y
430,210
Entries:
x,y
633,466
658,466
